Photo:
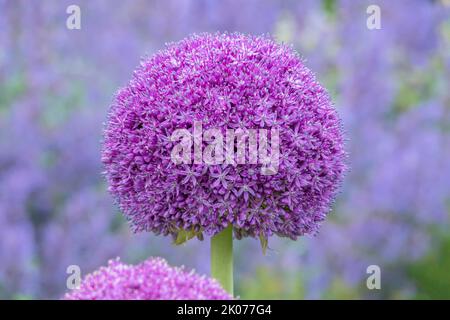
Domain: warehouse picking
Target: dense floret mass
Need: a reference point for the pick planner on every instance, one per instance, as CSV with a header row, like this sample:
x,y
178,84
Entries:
x,y
152,279
226,81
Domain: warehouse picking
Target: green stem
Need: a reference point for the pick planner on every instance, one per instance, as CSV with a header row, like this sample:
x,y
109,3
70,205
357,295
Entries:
x,y
222,258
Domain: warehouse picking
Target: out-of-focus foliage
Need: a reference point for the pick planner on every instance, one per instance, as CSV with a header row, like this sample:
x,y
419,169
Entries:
x,y
430,274
264,283
390,85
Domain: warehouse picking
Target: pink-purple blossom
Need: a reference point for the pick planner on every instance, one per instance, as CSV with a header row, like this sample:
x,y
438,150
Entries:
x,y
225,81
152,279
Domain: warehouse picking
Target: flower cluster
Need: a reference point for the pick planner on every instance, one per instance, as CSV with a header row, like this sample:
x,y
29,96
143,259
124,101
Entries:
x,y
225,81
152,279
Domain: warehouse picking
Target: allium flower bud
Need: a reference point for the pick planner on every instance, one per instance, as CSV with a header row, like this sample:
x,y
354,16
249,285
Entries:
x,y
223,82
152,279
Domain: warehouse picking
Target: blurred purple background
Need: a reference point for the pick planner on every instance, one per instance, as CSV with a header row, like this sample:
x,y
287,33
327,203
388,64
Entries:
x,y
391,86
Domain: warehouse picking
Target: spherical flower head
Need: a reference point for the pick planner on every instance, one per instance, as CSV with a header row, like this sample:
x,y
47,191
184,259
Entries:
x,y
224,82
152,279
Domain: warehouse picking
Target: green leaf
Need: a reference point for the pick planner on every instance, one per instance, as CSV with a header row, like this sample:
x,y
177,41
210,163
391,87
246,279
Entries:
x,y
183,236
264,242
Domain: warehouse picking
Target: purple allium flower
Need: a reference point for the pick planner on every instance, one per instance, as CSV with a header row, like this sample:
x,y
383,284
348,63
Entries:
x,y
225,81
152,279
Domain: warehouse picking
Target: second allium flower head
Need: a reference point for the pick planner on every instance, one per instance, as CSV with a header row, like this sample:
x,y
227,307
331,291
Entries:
x,y
225,81
152,279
